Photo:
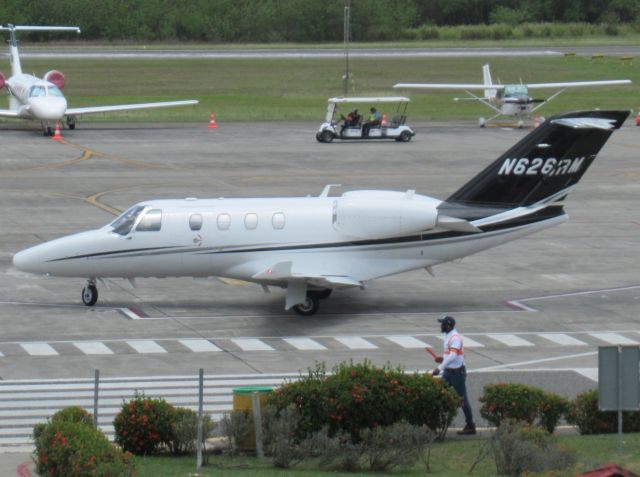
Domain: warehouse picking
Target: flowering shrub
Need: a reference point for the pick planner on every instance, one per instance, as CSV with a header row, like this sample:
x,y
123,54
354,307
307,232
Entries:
x,y
584,414
522,403
144,423
360,396
68,446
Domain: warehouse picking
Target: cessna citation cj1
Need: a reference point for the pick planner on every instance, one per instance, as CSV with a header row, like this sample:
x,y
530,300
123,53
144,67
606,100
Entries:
x,y
42,100
312,245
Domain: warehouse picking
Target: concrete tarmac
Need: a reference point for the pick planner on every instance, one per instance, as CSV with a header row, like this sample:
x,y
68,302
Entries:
x,y
534,310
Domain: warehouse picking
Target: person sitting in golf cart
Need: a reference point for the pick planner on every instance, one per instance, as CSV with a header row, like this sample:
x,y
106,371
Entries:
x,y
374,120
351,121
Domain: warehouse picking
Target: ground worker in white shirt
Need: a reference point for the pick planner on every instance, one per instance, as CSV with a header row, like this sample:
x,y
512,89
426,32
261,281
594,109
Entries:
x,y
453,370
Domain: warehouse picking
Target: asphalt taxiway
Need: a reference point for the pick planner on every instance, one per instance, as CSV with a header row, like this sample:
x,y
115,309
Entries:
x,y
533,310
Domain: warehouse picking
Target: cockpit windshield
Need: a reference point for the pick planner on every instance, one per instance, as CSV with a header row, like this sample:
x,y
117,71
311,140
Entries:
x,y
516,90
55,91
123,224
37,91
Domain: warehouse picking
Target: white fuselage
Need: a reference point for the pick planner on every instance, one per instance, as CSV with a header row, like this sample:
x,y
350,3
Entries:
x,y
361,235
35,98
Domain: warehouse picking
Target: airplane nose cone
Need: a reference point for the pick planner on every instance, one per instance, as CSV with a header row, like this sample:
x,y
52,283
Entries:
x,y
48,108
27,260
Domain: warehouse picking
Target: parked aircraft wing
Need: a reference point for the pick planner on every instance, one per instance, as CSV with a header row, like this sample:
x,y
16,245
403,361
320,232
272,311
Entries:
x,y
127,107
577,84
445,86
8,113
288,272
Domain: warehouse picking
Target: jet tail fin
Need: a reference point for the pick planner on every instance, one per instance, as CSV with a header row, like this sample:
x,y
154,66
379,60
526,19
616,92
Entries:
x,y
14,56
540,169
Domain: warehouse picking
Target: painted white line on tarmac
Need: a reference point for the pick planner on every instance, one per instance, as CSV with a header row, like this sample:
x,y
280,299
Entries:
x,y
146,346
355,342
39,349
535,361
305,344
251,344
93,347
199,345
614,338
509,340
408,342
562,339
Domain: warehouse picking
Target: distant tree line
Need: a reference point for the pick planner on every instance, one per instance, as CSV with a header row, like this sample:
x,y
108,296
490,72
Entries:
x,y
260,21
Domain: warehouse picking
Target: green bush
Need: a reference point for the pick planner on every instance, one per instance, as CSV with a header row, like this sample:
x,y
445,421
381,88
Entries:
x,y
185,435
360,396
69,447
584,414
143,424
73,414
519,449
522,403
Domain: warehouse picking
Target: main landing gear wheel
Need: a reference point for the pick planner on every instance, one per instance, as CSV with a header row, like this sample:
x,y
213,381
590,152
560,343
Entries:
x,y
89,295
71,122
309,307
48,131
322,294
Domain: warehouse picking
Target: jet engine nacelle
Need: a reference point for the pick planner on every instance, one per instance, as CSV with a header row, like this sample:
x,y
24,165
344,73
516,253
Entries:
x,y
373,217
55,77
3,80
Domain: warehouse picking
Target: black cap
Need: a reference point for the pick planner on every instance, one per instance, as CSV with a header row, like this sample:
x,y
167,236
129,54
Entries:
x,y
447,320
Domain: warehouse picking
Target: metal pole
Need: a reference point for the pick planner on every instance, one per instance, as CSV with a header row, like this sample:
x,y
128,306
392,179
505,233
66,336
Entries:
x,y
619,369
257,423
200,406
347,35
96,387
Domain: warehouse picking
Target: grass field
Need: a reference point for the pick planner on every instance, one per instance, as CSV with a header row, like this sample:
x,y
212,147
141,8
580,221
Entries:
x,y
452,458
297,89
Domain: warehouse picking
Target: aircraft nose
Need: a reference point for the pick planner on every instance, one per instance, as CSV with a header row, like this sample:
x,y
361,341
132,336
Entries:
x,y
29,260
48,108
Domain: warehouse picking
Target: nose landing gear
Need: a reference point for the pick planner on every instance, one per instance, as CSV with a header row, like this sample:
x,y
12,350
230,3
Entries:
x,y
90,293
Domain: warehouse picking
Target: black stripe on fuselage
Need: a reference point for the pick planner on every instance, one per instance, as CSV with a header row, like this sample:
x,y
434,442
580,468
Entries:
x,y
539,216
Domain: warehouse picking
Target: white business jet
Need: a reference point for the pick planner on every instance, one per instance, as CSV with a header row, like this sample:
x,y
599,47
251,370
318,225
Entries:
x,y
41,99
312,245
510,99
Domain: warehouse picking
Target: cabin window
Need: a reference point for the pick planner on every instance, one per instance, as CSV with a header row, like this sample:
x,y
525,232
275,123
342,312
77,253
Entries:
x,y
151,222
278,221
251,221
195,222
224,221
123,224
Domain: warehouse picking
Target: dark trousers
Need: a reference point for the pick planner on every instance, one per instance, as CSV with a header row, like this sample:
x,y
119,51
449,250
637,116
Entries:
x,y
457,379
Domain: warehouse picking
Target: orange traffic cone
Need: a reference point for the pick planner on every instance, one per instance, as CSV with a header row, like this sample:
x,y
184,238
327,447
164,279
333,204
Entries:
x,y
638,119
536,121
56,133
212,121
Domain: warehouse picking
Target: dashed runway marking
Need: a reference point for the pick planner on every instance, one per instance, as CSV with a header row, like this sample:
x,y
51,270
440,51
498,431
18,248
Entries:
x,y
39,349
93,347
146,346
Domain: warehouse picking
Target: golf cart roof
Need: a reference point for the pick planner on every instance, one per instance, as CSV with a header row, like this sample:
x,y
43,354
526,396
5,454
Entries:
x,y
372,99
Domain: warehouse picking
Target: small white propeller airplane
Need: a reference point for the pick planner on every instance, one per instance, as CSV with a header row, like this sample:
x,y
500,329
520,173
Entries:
x,y
33,98
510,99
312,245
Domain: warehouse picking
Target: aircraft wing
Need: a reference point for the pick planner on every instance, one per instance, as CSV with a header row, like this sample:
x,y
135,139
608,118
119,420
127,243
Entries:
x,y
577,84
9,113
446,86
127,107
289,272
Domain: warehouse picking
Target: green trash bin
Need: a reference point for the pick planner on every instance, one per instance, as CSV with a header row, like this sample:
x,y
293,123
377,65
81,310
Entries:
x,y
242,401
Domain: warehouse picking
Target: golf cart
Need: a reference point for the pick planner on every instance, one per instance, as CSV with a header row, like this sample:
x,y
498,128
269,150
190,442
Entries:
x,y
340,123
